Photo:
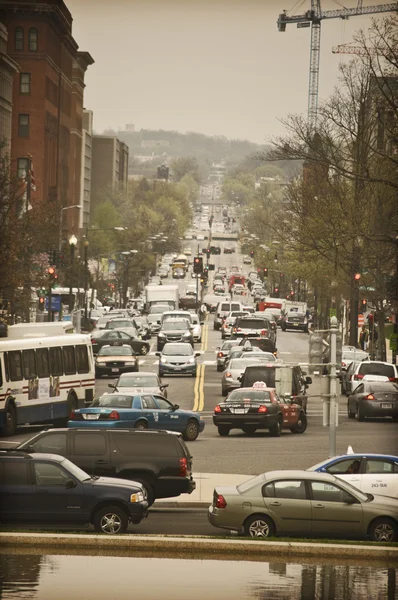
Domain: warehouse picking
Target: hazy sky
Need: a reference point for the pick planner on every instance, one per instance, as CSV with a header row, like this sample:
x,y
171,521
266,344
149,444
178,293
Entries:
x,y
211,66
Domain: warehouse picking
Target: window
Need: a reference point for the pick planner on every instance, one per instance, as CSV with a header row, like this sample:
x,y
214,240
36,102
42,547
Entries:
x,y
48,474
29,364
93,444
19,41
148,402
53,443
82,359
162,403
23,166
381,466
69,360
15,365
328,492
23,125
15,473
42,362
345,466
290,490
24,83
33,37
56,362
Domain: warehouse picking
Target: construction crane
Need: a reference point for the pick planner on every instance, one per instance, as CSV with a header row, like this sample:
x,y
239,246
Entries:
x,y
359,50
313,18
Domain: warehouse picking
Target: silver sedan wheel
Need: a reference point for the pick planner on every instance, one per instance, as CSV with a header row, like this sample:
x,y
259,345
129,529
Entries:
x,y
259,528
384,532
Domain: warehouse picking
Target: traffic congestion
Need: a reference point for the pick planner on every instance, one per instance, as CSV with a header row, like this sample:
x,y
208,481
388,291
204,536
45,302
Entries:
x,y
207,364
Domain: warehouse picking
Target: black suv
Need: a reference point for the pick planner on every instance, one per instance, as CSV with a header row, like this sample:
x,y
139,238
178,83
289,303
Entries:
x,y
49,489
159,460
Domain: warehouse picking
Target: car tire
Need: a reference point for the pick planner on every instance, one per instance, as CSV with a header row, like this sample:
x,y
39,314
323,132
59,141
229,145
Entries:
x,y
350,414
259,526
360,414
141,425
10,420
144,350
219,368
249,429
276,429
301,424
111,520
383,530
150,492
224,392
223,430
191,431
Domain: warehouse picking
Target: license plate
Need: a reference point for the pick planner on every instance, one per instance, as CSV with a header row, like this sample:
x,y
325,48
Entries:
x,y
239,411
295,324
386,405
177,368
91,417
115,370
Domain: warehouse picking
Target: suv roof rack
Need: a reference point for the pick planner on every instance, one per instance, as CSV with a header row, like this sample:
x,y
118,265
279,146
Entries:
x,y
14,452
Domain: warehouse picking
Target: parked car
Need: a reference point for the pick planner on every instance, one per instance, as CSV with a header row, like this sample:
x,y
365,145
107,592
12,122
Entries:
x,y
115,359
372,399
196,328
144,381
373,367
223,353
303,503
158,460
105,337
177,359
138,411
247,260
43,488
368,472
255,408
175,330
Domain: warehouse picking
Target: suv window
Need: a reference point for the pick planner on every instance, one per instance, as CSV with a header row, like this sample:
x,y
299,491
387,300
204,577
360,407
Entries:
x,y
52,443
368,368
50,474
145,444
91,444
13,472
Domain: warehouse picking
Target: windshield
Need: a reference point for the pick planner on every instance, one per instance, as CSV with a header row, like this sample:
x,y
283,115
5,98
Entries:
x,y
114,401
386,388
249,396
177,350
74,470
158,310
368,368
115,351
138,381
174,325
241,363
118,324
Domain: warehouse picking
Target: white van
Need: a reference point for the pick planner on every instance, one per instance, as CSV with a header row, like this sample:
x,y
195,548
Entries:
x,y
223,309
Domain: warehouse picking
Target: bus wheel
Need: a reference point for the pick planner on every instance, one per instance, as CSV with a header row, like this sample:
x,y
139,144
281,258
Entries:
x,y
10,421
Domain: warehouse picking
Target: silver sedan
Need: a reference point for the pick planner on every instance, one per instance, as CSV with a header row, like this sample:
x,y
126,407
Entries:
x,y
233,372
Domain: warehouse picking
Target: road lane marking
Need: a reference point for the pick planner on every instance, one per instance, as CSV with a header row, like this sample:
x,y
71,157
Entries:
x,y
196,389
205,336
201,389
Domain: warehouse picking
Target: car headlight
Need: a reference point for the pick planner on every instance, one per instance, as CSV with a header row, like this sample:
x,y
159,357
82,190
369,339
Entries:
x,y
163,359
187,334
137,497
160,334
191,361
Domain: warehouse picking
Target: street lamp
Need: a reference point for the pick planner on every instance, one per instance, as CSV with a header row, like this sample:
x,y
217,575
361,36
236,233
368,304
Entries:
x,y
60,221
85,246
72,245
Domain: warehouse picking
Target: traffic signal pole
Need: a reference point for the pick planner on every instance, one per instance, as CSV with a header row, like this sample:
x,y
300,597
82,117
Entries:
x,y
333,414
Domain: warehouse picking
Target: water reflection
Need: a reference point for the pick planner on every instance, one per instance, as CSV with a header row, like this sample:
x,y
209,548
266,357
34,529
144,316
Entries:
x,y
67,577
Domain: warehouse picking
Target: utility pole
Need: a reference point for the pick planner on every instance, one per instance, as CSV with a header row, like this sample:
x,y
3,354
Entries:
x,y
333,387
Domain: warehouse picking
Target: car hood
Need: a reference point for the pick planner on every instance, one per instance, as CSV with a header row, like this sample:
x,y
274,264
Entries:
x,y
384,503
132,391
176,357
175,331
121,483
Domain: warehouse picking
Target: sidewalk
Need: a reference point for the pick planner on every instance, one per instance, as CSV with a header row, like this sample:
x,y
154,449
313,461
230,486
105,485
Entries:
x,y
203,495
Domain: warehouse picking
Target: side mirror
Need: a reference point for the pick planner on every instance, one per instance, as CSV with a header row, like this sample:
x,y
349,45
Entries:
x,y
347,499
202,322
176,406
112,385
197,353
157,353
163,386
239,378
70,483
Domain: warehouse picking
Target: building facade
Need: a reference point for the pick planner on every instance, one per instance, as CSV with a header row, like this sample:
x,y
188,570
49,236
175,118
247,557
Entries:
x,y
109,167
86,171
8,69
47,102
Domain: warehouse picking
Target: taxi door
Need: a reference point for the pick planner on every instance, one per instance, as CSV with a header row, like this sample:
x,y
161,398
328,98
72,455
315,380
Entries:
x,y
380,476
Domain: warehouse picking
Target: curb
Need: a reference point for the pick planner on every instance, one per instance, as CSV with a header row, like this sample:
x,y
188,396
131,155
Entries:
x,y
195,545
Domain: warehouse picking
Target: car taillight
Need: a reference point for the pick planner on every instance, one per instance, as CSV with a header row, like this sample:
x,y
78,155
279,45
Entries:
x,y
221,502
228,374
262,409
264,332
75,416
357,376
220,354
393,379
93,341
114,416
369,397
183,467
343,364
217,409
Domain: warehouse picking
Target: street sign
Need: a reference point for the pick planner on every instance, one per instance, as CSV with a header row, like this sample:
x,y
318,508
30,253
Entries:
x,y
332,312
361,320
55,303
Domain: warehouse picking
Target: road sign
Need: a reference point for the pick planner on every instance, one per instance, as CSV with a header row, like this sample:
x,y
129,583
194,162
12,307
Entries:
x,y
332,312
361,320
55,303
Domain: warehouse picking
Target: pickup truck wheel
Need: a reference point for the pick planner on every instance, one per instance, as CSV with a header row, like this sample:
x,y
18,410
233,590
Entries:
x,y
111,520
141,425
301,424
276,429
191,431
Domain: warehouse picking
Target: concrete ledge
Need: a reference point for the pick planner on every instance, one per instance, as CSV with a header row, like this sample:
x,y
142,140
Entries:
x,y
197,545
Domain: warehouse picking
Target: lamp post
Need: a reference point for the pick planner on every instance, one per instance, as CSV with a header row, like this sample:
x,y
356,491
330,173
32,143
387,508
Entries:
x,y
72,246
61,219
85,246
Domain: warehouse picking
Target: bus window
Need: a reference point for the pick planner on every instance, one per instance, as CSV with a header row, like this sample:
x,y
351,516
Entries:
x,y
56,366
29,364
43,365
69,360
82,359
15,365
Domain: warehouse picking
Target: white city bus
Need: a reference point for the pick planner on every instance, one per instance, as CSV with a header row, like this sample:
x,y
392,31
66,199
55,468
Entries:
x,y
43,379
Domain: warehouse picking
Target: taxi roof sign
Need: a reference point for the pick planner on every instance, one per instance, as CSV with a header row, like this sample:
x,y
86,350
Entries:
x,y
259,384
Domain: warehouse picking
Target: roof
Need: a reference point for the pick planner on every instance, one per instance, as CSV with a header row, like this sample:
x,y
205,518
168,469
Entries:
x,y
295,474
35,455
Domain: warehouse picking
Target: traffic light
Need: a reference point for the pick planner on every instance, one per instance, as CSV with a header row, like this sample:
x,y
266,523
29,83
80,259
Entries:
x,y
52,275
265,271
276,291
198,264
315,350
252,253
41,303
363,305
357,276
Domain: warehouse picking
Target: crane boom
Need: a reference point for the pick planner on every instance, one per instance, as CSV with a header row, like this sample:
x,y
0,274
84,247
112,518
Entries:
x,y
313,18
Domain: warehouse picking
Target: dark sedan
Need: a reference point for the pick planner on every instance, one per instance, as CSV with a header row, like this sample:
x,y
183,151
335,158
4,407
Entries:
x,y
115,359
103,337
374,399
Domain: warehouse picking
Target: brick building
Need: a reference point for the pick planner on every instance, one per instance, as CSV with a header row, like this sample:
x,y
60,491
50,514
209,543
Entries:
x,y
8,68
47,101
110,165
